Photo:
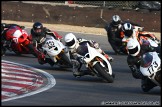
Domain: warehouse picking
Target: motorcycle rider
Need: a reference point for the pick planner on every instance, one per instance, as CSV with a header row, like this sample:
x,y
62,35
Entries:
x,y
10,31
114,33
73,43
135,51
39,33
129,30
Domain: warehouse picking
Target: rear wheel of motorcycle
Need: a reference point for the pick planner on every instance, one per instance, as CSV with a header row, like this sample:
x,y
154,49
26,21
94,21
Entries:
x,y
103,72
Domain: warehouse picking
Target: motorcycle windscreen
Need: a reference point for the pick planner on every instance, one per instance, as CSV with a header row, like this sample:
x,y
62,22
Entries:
x,y
146,60
82,50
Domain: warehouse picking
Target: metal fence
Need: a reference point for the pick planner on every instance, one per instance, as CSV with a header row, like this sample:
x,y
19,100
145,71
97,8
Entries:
x,y
112,4
104,4
107,4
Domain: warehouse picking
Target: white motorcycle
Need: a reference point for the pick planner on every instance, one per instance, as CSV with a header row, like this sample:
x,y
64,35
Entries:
x,y
55,50
95,62
151,67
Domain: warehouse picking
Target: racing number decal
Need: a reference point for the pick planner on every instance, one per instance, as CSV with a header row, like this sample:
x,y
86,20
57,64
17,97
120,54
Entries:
x,y
50,44
150,69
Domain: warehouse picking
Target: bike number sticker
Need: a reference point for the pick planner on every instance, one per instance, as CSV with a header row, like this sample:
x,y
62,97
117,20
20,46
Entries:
x,y
50,44
152,66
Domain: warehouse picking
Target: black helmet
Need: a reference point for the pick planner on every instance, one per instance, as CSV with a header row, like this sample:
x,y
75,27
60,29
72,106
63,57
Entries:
x,y
128,29
37,28
116,20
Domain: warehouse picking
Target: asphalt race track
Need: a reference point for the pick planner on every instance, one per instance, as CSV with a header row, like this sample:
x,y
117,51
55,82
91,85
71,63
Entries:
x,y
87,90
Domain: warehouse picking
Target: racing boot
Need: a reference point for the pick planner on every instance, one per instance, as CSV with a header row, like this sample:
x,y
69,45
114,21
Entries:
x,y
76,66
76,69
80,73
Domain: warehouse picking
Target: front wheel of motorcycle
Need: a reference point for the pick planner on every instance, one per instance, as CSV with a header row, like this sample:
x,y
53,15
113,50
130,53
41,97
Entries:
x,y
103,72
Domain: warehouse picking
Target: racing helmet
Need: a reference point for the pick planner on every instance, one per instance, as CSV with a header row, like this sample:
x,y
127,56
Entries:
x,y
116,20
128,29
37,28
70,40
133,47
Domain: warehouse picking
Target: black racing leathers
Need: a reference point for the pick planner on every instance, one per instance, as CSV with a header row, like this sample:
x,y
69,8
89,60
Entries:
x,y
36,38
113,34
134,65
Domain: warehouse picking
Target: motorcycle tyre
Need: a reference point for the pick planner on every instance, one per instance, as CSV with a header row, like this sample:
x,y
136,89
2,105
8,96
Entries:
x,y
102,72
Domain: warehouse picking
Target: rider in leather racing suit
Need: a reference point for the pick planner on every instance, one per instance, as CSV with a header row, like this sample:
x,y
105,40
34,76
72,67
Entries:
x,y
114,35
128,30
135,51
39,33
73,43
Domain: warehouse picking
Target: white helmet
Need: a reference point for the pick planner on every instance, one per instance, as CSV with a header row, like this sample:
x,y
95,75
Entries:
x,y
128,29
116,20
70,40
133,47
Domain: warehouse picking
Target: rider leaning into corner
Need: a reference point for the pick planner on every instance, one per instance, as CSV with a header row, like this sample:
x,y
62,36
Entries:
x,y
114,29
73,43
39,34
128,30
135,51
7,33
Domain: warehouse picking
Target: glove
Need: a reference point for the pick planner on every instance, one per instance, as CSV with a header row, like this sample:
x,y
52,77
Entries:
x,y
111,58
41,58
140,29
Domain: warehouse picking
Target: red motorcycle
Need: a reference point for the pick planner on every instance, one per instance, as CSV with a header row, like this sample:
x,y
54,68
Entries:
x,y
19,41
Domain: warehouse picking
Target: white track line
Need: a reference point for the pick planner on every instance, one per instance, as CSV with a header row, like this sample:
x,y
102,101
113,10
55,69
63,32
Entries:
x,y
50,82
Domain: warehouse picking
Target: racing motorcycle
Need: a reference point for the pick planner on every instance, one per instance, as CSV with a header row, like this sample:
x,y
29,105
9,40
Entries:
x,y
95,62
155,42
19,41
151,67
56,51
